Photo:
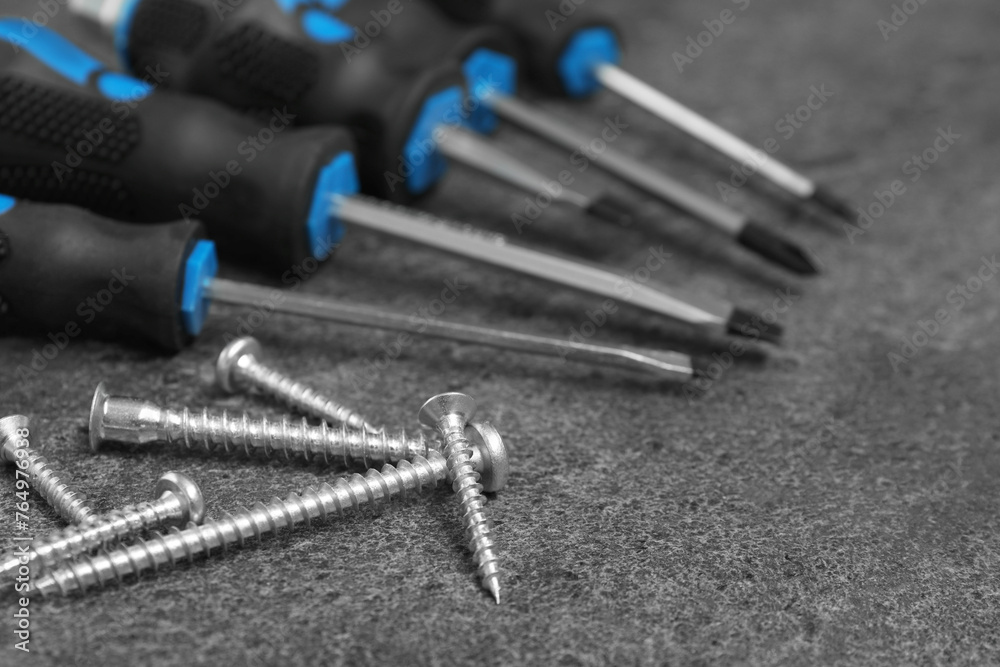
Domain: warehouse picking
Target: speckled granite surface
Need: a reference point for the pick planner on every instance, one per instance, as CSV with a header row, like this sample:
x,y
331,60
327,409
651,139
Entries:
x,y
818,508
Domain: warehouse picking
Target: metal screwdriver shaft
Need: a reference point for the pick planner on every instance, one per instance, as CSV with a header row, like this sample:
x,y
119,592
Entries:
x,y
243,525
660,104
67,502
138,422
473,151
747,232
179,501
239,365
669,365
494,249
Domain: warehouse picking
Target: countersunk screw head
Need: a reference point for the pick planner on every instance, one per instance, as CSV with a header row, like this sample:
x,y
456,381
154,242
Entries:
x,y
97,417
230,357
187,491
446,405
489,456
9,426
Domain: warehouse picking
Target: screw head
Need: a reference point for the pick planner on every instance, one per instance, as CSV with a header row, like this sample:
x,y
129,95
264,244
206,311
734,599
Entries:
x,y
187,491
444,405
489,456
97,417
230,357
9,426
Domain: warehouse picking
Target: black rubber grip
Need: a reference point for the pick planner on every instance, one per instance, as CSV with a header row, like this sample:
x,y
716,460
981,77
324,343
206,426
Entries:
x,y
254,56
67,273
166,157
543,29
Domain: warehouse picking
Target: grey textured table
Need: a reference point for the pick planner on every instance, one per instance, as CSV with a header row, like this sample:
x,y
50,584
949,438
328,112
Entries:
x,y
821,507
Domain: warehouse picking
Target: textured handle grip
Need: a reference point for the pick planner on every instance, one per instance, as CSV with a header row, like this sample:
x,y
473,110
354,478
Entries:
x,y
257,184
258,54
66,273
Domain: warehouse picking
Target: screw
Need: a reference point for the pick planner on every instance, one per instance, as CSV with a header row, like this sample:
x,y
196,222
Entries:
x,y
178,501
346,493
239,364
449,414
15,448
133,421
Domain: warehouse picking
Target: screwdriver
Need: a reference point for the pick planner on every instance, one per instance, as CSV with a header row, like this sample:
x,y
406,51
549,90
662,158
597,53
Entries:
x,y
42,106
149,33
479,57
576,53
65,272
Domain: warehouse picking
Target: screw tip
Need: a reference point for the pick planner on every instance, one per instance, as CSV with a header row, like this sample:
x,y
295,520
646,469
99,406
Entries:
x,y
494,587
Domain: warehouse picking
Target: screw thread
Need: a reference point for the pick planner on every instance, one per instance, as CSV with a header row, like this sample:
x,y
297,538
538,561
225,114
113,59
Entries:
x,y
67,501
475,517
299,396
161,550
65,544
288,438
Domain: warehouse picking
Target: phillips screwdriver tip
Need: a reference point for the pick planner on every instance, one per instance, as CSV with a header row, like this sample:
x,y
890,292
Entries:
x,y
776,249
747,324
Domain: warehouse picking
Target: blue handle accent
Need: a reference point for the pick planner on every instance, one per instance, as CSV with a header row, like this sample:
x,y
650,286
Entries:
x,y
64,57
488,73
122,29
6,203
424,162
325,28
339,177
589,47
202,266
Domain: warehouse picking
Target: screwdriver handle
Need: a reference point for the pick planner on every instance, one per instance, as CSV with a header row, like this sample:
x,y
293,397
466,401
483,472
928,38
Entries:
x,y
65,272
73,132
261,54
559,41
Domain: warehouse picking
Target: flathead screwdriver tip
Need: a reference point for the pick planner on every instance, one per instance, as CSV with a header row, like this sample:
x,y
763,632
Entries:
x,y
747,324
777,249
834,204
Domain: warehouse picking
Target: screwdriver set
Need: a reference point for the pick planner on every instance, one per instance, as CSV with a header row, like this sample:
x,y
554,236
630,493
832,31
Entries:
x,y
257,134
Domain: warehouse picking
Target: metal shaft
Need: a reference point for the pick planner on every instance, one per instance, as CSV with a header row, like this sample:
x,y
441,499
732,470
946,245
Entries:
x,y
658,103
494,249
179,502
473,151
243,525
627,168
67,501
239,365
133,421
668,365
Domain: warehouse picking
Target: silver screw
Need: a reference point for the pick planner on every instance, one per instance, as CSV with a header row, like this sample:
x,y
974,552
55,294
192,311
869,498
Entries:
x,y
346,493
178,502
134,421
15,446
239,364
449,414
